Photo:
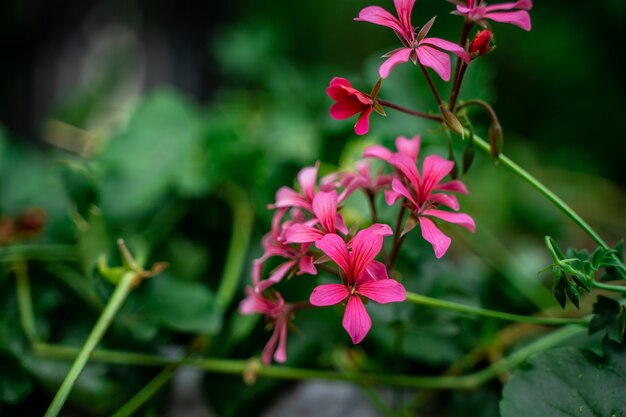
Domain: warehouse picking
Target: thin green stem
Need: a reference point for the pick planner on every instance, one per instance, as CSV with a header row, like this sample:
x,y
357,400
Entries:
x,y
609,287
243,221
544,321
24,300
147,392
238,367
115,302
526,176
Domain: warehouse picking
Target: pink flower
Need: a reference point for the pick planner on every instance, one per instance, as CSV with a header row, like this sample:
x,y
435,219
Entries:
x,y
408,147
275,310
327,220
364,178
363,277
424,194
418,48
287,197
349,102
296,258
477,11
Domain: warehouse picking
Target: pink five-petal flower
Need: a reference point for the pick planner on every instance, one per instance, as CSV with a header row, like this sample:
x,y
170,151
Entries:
x,y
515,13
425,193
275,310
349,102
364,277
327,220
429,52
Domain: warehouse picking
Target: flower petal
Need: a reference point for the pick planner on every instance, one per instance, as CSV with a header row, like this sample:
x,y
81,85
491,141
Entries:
x,y
396,58
336,90
437,60
404,9
276,276
328,294
302,233
356,321
383,291
434,236
375,271
455,186
462,219
522,4
448,46
435,169
407,166
365,246
446,200
287,197
398,187
345,108
409,147
280,355
334,246
306,266
519,18
362,125
307,178
377,151
379,16
325,209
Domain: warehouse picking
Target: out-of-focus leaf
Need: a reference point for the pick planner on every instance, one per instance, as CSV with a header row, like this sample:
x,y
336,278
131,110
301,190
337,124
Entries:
x,y
80,186
92,238
568,382
180,305
609,314
144,161
14,382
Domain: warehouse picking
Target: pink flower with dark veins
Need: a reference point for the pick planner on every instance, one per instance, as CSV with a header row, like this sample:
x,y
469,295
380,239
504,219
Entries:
x,y
362,277
276,311
429,52
515,13
296,257
408,147
424,194
350,101
327,220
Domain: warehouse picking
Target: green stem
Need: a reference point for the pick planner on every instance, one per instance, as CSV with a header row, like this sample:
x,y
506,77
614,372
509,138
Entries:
x,y
115,302
243,221
526,176
609,287
24,300
238,367
431,85
146,393
545,321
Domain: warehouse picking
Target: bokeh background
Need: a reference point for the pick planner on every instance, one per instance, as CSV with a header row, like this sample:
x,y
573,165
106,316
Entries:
x,y
156,121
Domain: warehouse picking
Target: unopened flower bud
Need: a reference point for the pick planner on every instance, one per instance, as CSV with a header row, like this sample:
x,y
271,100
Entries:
x,y
496,139
480,44
451,121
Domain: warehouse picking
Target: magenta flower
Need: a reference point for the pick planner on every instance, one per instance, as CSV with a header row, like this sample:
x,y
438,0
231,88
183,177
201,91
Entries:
x,y
408,147
362,275
418,48
424,194
327,220
477,11
275,310
349,102
287,197
296,258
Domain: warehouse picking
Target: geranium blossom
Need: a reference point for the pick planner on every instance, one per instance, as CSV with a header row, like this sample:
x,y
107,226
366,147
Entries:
x,y
363,277
417,47
409,147
276,310
327,220
350,101
425,194
514,13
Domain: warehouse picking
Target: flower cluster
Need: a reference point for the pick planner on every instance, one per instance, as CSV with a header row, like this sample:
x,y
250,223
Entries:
x,y
309,234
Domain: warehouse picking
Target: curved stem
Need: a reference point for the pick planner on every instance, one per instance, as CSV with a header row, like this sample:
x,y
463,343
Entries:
x,y
609,287
431,85
456,86
39,252
117,299
147,392
401,109
238,367
545,321
554,199
25,302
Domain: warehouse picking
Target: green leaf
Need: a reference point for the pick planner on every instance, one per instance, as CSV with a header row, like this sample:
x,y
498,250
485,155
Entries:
x,y
568,382
92,237
181,305
609,315
558,289
144,161
14,381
